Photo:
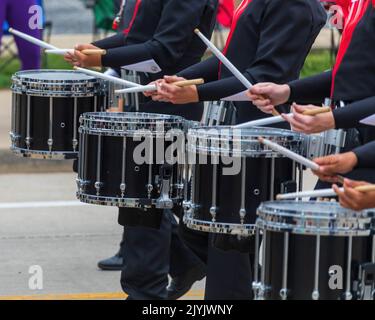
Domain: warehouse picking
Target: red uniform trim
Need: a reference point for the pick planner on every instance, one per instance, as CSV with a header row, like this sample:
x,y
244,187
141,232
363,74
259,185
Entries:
x,y
238,13
136,9
356,11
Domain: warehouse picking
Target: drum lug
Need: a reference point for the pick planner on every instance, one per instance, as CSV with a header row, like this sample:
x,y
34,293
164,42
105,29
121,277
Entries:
x,y
315,295
28,142
98,186
164,201
186,205
284,294
366,290
75,144
213,212
50,144
122,189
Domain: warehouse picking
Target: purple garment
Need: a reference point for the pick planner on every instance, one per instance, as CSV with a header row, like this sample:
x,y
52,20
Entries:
x,y
16,13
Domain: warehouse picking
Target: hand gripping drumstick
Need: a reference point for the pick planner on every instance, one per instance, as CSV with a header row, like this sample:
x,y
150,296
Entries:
x,y
153,87
321,193
31,39
87,52
227,63
107,77
278,119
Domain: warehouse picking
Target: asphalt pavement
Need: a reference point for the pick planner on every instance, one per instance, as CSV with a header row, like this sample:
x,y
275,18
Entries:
x,y
43,225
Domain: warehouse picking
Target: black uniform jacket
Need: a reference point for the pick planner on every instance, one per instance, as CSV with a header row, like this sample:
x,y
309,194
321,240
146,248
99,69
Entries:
x,y
269,43
162,30
352,79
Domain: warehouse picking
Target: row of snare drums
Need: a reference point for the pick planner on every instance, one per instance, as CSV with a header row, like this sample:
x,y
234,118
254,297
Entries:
x,y
223,177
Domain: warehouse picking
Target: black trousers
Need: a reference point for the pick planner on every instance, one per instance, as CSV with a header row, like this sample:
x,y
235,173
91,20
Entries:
x,y
150,255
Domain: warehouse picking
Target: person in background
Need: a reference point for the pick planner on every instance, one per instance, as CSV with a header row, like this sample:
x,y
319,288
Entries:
x,y
16,13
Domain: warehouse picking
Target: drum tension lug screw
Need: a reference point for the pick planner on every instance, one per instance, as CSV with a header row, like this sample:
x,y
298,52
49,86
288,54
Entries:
x,y
50,144
213,213
122,188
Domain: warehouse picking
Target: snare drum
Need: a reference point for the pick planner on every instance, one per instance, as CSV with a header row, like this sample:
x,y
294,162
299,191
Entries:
x,y
46,108
232,173
124,160
314,250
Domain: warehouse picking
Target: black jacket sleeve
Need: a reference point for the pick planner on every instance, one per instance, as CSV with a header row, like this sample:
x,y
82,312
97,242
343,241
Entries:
x,y
173,35
115,41
366,155
278,47
313,89
207,69
351,115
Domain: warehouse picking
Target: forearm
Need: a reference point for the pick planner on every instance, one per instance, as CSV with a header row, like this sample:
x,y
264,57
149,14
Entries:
x,y
125,55
366,155
351,115
219,89
312,89
207,69
115,41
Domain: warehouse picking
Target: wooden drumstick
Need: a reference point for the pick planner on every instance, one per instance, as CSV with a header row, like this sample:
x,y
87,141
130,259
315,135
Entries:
x,y
314,112
92,52
153,87
186,83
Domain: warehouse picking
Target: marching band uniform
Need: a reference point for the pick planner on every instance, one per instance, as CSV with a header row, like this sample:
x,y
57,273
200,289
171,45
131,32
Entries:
x,y
269,41
159,30
350,83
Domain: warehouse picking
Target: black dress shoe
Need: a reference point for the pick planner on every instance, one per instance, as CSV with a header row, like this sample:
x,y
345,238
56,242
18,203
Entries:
x,y
180,285
114,263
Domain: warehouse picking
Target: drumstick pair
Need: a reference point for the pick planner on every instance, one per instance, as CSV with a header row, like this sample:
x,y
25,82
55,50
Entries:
x,y
154,87
49,47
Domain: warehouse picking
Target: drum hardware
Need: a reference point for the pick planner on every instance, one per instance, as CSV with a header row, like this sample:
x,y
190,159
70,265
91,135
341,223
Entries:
x,y
207,209
319,223
28,138
165,202
43,102
348,294
117,180
315,295
219,113
366,289
123,169
256,283
98,184
284,291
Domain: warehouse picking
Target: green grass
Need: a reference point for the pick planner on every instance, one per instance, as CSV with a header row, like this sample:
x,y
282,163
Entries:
x,y
316,62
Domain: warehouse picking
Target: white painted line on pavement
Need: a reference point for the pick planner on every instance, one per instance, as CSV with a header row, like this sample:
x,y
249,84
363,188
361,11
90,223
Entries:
x,y
40,204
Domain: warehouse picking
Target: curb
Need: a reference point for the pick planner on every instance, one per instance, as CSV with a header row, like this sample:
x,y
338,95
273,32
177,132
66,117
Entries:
x,y
10,163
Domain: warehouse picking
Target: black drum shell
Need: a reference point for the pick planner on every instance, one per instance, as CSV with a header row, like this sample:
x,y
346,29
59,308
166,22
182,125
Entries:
x,y
301,264
62,121
228,188
111,164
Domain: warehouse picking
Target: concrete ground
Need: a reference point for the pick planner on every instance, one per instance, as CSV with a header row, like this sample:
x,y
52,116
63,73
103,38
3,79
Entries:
x,y
65,239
